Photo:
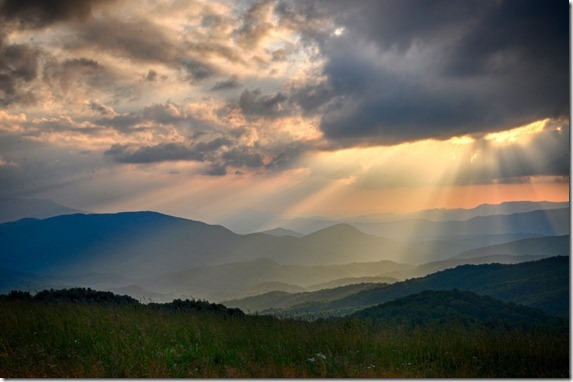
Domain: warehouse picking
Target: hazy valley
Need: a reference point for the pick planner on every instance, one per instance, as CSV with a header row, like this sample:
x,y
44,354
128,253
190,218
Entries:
x,y
160,257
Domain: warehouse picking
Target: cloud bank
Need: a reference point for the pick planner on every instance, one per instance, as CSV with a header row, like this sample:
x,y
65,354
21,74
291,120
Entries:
x,y
262,88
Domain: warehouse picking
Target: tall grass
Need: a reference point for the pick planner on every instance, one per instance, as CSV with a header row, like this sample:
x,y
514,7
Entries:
x,y
72,340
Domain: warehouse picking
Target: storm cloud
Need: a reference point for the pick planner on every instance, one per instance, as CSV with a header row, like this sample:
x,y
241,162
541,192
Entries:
x,y
409,70
18,69
37,14
253,102
270,89
218,153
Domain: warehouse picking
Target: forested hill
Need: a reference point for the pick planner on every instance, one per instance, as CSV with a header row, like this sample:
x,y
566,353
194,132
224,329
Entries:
x,y
542,284
455,307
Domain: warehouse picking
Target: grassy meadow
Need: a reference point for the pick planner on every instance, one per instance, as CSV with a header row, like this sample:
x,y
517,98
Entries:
x,y
97,340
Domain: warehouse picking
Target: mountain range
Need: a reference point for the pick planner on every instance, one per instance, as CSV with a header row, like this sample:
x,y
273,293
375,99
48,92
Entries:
x,y
545,222
249,220
542,284
163,257
458,214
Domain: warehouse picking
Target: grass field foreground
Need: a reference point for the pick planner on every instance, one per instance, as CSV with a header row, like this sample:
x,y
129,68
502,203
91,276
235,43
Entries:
x,y
82,340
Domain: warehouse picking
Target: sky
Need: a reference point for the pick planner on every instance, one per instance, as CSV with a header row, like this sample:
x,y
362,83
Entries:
x,y
204,108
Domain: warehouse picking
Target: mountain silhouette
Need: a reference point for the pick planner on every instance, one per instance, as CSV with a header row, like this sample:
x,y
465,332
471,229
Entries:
x,y
144,243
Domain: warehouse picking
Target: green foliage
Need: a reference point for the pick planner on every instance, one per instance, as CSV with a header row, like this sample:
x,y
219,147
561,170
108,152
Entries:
x,y
197,306
83,296
467,309
55,340
90,296
17,295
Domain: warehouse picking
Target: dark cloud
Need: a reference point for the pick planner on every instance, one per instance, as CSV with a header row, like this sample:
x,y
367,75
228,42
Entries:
x,y
213,49
197,70
19,65
413,69
230,83
218,153
312,98
125,123
155,117
236,157
309,18
279,55
400,24
143,41
529,31
37,14
151,75
207,151
139,40
254,27
286,158
64,78
242,157
216,170
101,110
152,154
253,102
163,113
20,60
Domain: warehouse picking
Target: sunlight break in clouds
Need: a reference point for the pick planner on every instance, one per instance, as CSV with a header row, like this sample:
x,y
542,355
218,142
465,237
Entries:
x,y
295,107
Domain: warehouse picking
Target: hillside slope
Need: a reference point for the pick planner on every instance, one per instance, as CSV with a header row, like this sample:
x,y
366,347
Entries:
x,y
455,307
542,284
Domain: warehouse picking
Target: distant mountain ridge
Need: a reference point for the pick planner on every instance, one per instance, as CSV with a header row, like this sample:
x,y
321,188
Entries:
x,y
250,220
445,214
542,284
282,232
505,208
553,246
551,222
12,209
